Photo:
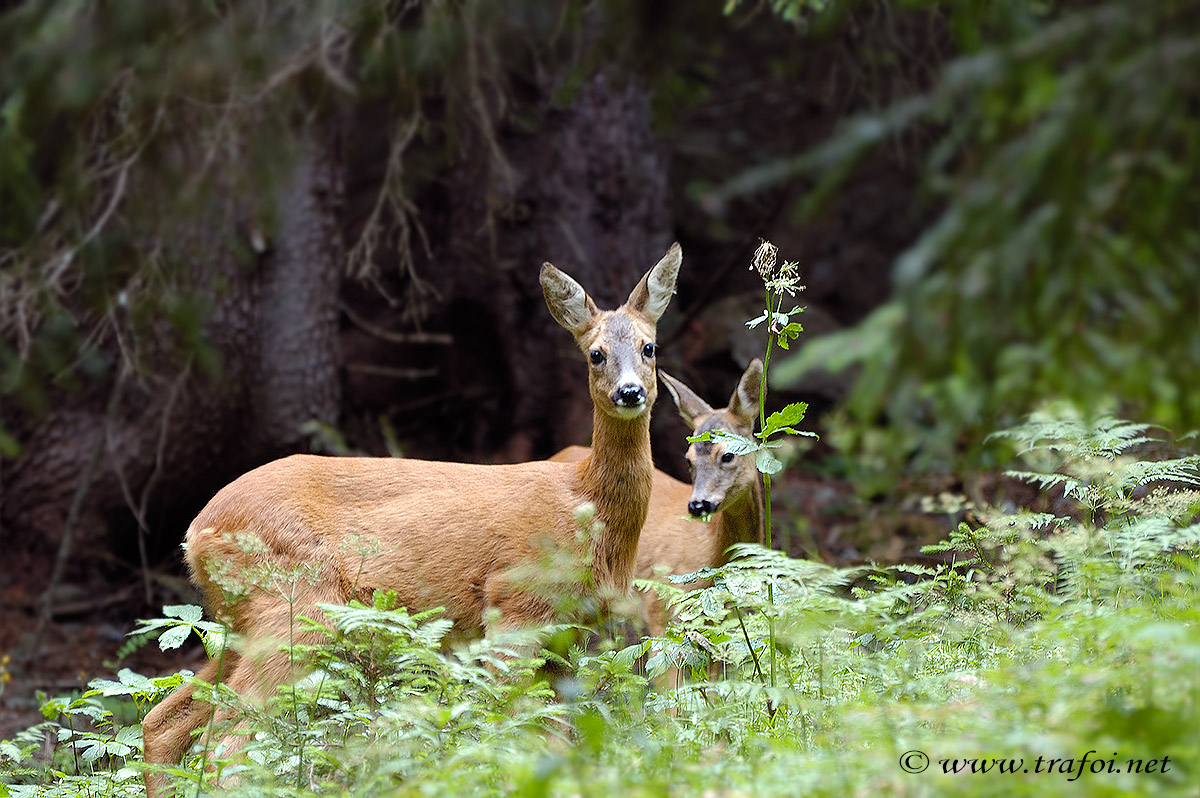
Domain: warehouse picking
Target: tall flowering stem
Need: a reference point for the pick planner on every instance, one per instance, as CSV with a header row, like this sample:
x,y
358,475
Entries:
x,y
781,282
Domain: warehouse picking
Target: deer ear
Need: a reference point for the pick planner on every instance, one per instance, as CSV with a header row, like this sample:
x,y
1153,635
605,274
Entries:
x,y
744,402
691,407
652,295
569,304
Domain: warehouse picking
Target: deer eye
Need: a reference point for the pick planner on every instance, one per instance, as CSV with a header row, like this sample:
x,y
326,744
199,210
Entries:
x,y
727,457
596,356
649,351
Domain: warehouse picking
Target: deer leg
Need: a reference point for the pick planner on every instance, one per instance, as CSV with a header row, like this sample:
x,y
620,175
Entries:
x,y
168,729
265,665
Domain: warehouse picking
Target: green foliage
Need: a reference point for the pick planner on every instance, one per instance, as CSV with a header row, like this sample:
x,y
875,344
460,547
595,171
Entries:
x,y
181,621
1037,637
789,10
780,281
1063,174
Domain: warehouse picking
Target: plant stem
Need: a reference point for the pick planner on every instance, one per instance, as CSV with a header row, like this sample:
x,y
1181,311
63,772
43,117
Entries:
x,y
762,386
771,583
292,677
212,708
749,647
766,478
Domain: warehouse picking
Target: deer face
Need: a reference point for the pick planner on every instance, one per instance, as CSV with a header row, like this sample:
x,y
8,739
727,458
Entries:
x,y
719,477
619,344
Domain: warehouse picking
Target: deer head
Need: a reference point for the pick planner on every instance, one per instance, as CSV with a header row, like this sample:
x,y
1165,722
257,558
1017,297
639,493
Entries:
x,y
719,477
619,344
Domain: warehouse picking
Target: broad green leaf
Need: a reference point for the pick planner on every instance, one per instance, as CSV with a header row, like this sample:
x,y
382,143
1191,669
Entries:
x,y
129,735
130,683
173,637
785,418
766,462
710,605
91,750
733,443
214,642
184,612
788,333
628,655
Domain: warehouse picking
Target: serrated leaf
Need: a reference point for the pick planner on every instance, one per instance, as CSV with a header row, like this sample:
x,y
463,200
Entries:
x,y
628,655
733,443
710,605
766,462
214,643
130,683
703,573
780,419
184,612
87,708
173,637
91,750
133,678
791,329
129,735
1071,487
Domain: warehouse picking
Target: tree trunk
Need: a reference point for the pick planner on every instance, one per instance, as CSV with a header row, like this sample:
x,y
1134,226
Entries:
x,y
173,437
588,192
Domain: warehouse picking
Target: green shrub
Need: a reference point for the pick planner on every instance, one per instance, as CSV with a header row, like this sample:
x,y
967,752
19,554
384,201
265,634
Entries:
x,y
1044,645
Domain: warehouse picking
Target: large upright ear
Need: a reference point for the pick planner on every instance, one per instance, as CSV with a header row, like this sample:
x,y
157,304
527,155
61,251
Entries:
x,y
744,402
569,304
691,406
652,295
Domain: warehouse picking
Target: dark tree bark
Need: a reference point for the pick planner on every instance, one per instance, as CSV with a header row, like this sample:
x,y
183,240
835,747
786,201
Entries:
x,y
172,437
295,377
587,191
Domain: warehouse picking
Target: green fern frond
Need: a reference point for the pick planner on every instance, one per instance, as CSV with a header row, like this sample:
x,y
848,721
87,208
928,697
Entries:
x,y
1182,470
1071,486
1063,430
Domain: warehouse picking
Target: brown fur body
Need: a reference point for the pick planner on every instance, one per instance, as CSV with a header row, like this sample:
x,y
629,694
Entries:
x,y
439,534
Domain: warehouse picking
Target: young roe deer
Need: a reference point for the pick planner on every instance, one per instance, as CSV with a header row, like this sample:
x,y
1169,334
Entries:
x,y
445,534
725,486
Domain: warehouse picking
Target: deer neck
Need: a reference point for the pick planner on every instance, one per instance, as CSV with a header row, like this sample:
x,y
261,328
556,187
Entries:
x,y
617,478
740,522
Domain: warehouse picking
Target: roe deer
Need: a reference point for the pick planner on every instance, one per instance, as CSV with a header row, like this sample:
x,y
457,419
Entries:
x,y
724,485
446,533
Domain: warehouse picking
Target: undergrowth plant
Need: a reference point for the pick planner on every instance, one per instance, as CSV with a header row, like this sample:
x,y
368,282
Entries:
x,y
1051,650
780,282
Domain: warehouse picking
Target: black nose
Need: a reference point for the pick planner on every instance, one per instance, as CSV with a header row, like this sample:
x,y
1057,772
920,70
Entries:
x,y
701,507
630,395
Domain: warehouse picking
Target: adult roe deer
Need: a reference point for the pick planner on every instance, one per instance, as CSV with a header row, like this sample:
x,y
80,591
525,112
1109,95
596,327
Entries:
x,y
446,533
725,486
